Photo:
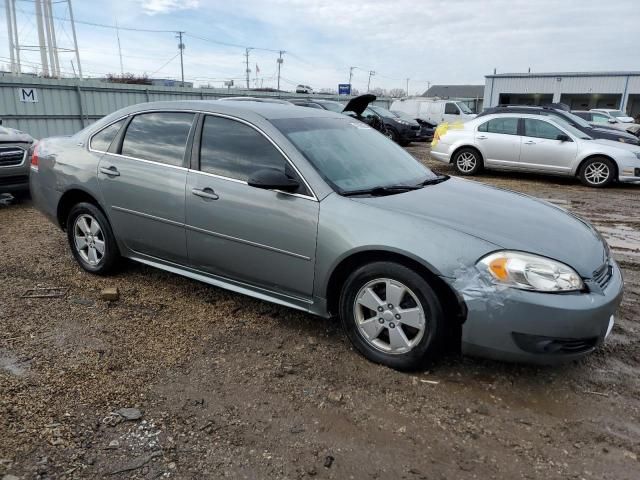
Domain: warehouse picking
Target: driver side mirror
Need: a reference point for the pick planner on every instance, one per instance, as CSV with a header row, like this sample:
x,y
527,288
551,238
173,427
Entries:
x,y
272,179
563,138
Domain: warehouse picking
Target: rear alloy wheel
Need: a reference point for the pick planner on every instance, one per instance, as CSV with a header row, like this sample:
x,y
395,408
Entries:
x,y
91,239
392,316
467,161
597,172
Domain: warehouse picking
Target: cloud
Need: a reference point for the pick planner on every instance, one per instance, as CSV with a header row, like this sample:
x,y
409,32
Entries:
x,y
154,7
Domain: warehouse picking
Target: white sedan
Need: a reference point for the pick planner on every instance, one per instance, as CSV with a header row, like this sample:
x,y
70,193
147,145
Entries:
x,y
534,143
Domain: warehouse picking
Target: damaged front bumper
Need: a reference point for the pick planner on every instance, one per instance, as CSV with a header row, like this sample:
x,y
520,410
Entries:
x,y
532,327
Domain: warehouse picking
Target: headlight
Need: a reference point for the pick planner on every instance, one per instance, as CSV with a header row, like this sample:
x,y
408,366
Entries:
x,y
622,139
531,272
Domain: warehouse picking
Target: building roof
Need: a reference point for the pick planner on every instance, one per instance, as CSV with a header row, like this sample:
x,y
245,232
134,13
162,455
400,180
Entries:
x,y
455,91
566,74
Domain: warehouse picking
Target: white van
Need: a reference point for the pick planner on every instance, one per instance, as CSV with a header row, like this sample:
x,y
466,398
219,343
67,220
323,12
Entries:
x,y
434,111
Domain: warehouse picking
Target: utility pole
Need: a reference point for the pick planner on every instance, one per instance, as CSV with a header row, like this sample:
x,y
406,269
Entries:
x,y
280,61
75,39
119,49
351,69
407,87
181,48
371,73
248,71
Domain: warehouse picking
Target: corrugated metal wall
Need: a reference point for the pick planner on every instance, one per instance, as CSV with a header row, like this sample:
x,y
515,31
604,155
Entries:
x,y
67,105
558,85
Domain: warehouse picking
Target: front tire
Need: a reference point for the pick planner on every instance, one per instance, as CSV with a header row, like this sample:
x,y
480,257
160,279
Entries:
x,y
391,134
91,239
597,172
467,161
392,316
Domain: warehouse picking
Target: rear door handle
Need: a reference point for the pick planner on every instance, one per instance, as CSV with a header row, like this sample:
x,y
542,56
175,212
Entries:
x,y
207,193
482,137
529,142
111,171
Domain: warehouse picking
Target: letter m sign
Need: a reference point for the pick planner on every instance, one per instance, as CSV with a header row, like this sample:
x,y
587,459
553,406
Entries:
x,y
28,95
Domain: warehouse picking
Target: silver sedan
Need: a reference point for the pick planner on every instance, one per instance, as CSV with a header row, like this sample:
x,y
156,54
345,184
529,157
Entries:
x,y
319,212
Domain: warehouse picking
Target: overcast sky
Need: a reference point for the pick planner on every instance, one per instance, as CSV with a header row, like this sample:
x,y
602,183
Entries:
x,y
444,42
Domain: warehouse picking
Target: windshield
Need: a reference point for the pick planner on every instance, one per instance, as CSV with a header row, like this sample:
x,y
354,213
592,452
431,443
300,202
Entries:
x,y
463,107
383,112
571,129
333,106
576,119
352,156
403,116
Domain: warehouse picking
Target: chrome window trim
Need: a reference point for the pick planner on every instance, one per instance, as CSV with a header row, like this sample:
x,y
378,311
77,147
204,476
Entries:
x,y
223,115
24,157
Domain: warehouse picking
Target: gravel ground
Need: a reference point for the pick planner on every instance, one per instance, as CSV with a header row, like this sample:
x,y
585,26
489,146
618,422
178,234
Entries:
x,y
228,386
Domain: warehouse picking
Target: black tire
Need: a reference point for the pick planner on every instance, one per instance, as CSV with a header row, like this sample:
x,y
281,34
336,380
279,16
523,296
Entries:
x,y
428,345
462,158
110,256
391,134
589,176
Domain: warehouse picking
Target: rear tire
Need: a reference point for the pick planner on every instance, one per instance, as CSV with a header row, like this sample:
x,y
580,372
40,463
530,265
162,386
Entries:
x,y
597,172
404,336
91,239
467,161
391,134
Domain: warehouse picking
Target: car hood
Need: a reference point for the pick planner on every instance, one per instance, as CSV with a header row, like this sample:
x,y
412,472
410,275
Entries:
x,y
506,219
617,145
13,135
626,119
358,104
614,131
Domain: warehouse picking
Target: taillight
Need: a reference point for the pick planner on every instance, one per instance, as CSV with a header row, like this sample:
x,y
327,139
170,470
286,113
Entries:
x,y
35,160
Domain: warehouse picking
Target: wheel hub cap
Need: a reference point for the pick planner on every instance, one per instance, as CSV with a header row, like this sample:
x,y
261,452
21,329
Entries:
x,y
89,239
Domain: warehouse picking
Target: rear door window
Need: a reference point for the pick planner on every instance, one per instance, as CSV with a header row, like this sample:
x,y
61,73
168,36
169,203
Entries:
x,y
102,140
506,126
159,136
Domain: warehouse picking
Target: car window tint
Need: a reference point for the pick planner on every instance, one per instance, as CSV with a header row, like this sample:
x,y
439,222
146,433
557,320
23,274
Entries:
x,y
540,129
235,150
102,140
599,118
160,137
507,126
451,109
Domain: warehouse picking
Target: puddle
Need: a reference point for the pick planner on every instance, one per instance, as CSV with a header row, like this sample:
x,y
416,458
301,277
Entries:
x,y
621,237
12,364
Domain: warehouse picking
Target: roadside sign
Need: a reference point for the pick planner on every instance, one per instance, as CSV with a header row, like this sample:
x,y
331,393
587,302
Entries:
x,y
344,89
28,95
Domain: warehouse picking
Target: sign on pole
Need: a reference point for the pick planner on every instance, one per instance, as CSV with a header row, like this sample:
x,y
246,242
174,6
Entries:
x,y
344,89
28,95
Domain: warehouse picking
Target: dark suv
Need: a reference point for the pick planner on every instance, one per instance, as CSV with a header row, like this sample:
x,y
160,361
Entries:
x,y
573,120
397,129
14,164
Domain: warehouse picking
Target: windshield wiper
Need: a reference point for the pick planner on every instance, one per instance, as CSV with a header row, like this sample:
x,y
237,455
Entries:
x,y
382,190
434,181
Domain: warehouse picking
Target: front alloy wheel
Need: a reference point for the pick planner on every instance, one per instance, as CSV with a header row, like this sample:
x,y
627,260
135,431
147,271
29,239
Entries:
x,y
597,172
392,315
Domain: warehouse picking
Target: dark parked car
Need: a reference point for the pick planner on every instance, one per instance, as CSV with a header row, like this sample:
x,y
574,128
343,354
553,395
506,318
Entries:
x,y
427,130
319,104
400,130
570,118
358,107
14,167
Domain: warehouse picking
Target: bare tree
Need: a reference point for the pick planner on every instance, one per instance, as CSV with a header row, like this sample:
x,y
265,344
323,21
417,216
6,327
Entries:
x,y
397,92
128,78
378,92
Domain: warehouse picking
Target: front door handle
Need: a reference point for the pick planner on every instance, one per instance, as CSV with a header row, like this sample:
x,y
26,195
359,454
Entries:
x,y
111,171
529,142
207,193
482,137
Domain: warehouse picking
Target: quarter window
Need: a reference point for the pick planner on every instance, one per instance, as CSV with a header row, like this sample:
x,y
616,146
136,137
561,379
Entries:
x,y
232,149
159,137
539,129
102,140
507,126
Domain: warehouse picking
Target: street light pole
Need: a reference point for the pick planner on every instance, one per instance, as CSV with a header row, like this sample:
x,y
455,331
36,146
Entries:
x,y
181,47
280,62
371,73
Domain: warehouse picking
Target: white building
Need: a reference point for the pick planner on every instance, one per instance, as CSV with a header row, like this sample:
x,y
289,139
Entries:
x,y
581,90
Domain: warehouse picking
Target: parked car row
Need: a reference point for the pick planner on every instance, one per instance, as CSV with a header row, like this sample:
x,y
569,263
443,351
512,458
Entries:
x,y
14,162
611,119
318,212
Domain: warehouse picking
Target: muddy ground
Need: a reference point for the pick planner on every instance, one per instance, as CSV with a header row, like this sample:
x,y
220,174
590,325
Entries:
x,y
233,387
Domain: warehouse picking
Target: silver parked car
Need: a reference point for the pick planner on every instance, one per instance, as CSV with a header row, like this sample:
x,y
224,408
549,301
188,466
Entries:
x,y
317,211
14,165
531,143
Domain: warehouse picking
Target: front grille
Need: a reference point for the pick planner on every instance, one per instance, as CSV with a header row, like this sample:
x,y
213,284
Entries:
x,y
11,156
551,345
14,180
602,275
